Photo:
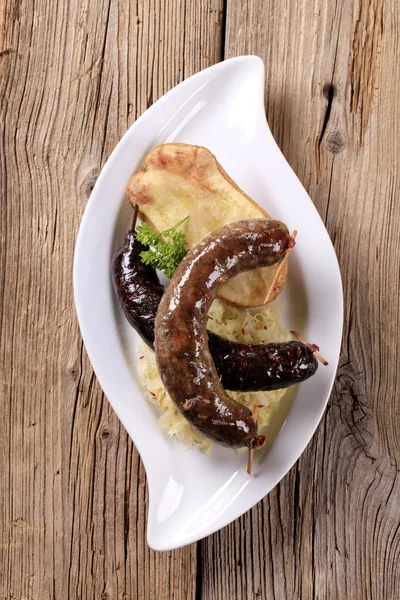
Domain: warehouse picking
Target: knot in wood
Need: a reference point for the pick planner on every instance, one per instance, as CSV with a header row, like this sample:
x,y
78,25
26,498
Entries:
x,y
105,434
328,91
88,184
334,142
74,373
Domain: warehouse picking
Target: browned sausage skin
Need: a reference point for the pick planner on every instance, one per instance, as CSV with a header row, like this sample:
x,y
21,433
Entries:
x,y
184,361
245,367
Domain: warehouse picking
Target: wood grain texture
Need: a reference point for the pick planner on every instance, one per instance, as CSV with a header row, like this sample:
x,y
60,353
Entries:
x,y
331,528
73,499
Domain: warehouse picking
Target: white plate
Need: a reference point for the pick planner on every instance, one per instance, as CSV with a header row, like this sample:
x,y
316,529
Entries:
x,y
222,108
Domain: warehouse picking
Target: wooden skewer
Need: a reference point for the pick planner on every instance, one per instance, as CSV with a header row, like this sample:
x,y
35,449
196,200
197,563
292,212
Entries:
x,y
251,450
279,271
314,349
134,218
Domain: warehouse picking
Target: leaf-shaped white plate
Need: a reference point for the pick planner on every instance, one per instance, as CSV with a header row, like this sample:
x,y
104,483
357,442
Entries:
x,y
221,108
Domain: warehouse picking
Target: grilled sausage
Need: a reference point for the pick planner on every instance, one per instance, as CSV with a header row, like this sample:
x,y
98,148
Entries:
x,y
261,367
137,286
184,361
244,367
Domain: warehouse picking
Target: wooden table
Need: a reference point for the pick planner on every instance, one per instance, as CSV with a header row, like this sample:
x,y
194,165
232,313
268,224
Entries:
x,y
73,497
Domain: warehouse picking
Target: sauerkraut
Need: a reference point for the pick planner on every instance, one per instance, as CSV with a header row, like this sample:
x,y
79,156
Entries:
x,y
249,326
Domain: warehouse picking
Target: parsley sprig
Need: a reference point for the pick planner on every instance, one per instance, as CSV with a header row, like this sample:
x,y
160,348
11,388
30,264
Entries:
x,y
166,249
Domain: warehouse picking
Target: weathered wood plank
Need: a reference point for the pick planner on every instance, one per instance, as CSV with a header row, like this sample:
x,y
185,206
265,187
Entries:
x,y
331,528
74,76
73,495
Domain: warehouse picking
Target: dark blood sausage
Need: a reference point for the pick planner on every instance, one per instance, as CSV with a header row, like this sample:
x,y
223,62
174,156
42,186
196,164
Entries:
x,y
252,367
184,361
137,286
245,367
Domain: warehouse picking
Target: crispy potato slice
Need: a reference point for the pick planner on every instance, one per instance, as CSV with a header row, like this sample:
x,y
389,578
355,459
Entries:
x,y
178,180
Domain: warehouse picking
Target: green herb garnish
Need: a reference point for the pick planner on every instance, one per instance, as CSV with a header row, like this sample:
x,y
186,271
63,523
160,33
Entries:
x,y
166,249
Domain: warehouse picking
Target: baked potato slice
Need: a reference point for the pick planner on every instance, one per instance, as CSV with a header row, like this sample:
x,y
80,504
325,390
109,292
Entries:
x,y
180,179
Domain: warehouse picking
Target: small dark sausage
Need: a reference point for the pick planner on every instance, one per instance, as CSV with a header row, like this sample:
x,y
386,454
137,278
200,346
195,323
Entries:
x,y
184,361
250,367
137,286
